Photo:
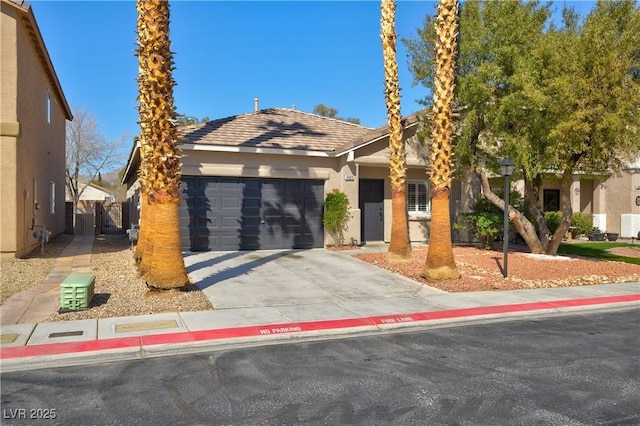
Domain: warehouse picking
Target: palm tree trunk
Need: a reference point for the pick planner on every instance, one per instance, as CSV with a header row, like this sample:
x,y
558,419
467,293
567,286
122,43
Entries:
x,y
146,246
166,264
440,263
399,246
160,160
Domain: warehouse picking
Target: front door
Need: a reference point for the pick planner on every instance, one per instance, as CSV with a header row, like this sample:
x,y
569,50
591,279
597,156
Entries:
x,y
372,209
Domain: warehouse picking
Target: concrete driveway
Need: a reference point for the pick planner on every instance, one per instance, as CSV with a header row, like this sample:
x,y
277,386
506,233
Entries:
x,y
242,279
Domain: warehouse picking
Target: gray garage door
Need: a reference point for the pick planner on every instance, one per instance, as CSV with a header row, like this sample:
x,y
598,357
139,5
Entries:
x,y
250,214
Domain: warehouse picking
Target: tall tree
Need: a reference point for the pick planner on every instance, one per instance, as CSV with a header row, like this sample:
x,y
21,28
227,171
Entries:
x,y
144,51
399,246
185,120
327,111
440,263
558,100
160,169
88,153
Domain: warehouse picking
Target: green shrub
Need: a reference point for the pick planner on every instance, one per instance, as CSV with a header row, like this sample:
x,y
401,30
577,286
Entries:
x,y
553,220
336,215
485,226
582,223
486,221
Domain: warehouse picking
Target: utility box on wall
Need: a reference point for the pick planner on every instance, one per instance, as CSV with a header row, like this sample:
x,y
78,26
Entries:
x,y
76,292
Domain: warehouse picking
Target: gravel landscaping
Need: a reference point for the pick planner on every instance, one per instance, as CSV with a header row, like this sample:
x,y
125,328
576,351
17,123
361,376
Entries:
x,y
119,291
21,274
481,269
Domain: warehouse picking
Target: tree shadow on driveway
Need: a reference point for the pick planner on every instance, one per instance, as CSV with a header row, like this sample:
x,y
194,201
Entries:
x,y
252,260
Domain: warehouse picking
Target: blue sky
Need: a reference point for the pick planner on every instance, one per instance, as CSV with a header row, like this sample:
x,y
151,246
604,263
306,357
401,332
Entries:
x,y
228,53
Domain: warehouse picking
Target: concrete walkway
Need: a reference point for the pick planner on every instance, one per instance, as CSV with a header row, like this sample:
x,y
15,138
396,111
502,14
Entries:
x,y
267,296
39,302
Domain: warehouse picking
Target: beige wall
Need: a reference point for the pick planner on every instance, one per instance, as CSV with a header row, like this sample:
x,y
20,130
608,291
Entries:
x,y
620,198
206,163
608,198
89,193
33,156
373,163
9,130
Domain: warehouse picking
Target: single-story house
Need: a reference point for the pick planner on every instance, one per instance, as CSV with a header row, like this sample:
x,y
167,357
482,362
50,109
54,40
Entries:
x,y
33,111
91,194
259,180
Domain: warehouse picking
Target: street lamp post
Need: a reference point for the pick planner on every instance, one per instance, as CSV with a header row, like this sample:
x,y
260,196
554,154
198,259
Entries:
x,y
506,170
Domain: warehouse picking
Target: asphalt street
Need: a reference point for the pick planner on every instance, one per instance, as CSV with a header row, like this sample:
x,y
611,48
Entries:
x,y
582,369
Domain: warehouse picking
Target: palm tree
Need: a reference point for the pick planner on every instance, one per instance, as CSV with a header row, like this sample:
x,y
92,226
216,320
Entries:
x,y
142,53
145,50
399,246
440,263
160,162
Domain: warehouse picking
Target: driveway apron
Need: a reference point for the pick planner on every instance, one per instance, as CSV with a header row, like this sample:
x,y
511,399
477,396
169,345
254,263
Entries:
x,y
292,277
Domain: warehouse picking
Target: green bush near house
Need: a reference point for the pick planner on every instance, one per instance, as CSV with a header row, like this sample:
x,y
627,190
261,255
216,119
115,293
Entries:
x,y
553,220
486,221
581,223
336,215
485,226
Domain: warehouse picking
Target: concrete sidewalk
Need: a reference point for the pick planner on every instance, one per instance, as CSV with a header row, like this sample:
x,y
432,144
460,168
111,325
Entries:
x,y
36,304
267,296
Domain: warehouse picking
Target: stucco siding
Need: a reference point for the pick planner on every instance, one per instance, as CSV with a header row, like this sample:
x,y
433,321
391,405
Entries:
x,y
33,159
8,90
8,70
621,199
9,199
208,163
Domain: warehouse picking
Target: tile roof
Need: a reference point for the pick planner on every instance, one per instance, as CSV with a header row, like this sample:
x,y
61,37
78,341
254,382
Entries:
x,y
280,128
377,134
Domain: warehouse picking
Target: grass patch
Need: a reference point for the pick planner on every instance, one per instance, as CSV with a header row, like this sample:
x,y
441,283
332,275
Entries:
x,y
598,251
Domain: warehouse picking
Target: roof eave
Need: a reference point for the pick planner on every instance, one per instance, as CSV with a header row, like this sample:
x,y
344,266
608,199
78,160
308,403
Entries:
x,y
254,150
132,161
377,135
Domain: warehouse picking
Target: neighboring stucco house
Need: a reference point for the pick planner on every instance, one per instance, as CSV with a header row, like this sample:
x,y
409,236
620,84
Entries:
x,y
90,194
613,199
259,180
33,114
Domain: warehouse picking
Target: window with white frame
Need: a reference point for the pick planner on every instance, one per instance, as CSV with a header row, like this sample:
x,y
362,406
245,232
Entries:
x,y
48,106
52,197
418,197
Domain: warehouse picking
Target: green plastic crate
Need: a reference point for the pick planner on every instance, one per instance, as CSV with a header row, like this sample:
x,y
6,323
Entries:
x,y
76,291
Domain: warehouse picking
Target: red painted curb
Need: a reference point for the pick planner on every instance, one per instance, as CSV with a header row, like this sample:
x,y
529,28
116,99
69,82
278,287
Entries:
x,y
68,347
249,331
290,328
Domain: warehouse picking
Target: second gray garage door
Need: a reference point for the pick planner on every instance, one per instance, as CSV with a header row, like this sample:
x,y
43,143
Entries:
x,y
250,214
